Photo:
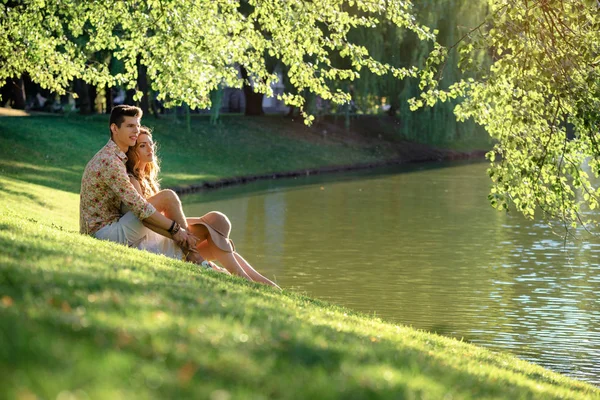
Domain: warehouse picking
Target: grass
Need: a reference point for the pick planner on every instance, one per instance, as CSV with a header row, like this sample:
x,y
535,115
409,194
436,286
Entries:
x,y
81,318
52,150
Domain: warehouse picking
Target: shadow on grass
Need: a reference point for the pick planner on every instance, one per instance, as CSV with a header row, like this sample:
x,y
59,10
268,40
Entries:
x,y
53,177
291,357
27,195
96,317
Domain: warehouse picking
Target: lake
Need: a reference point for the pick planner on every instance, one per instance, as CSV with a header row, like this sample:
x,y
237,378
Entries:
x,y
421,246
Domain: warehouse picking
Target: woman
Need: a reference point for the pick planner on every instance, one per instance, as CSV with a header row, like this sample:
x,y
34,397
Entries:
x,y
212,229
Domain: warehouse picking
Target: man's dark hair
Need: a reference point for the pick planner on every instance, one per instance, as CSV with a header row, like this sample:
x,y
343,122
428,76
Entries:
x,y
118,114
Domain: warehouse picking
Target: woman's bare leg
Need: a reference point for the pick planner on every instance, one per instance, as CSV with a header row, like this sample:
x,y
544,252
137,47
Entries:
x,y
205,252
227,260
209,251
254,274
233,262
167,202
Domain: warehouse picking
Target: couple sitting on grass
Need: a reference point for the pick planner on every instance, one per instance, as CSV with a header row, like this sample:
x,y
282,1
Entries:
x,y
121,201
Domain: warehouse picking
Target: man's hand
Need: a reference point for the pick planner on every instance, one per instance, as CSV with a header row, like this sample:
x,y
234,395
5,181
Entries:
x,y
185,240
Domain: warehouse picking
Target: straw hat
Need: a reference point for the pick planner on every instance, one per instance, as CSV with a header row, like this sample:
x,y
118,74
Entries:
x,y
219,227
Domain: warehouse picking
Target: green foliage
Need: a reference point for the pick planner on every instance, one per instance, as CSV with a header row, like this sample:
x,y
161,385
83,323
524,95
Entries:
x,y
399,47
544,81
192,48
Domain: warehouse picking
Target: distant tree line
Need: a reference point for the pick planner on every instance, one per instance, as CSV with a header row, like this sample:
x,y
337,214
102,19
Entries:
x,y
182,52
368,90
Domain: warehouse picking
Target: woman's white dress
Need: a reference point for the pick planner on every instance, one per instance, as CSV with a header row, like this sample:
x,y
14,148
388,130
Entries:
x,y
156,243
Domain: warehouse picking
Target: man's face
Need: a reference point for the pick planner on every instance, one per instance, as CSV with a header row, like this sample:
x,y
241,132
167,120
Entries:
x,y
126,135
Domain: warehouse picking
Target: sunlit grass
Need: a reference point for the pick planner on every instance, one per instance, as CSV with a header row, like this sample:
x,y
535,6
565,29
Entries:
x,y
53,151
39,203
78,314
84,318
189,178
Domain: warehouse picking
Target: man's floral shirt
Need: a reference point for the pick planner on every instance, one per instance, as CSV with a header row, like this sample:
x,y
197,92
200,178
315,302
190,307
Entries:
x,y
104,186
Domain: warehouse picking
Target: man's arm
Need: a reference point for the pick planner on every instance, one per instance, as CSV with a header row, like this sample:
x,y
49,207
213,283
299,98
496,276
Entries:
x,y
115,176
161,224
182,238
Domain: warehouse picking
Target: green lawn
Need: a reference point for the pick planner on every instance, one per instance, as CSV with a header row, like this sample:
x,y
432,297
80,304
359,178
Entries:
x,y
91,319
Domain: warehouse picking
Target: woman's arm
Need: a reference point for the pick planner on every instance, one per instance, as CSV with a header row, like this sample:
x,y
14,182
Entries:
x,y
148,221
136,184
157,229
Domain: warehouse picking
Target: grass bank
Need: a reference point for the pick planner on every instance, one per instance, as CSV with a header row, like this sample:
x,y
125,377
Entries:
x,y
90,319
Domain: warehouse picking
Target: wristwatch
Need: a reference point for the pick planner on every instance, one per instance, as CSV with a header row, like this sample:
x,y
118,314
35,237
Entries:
x,y
206,264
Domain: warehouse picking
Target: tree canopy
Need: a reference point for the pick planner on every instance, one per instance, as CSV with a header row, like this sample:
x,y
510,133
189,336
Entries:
x,y
190,48
539,98
400,47
536,90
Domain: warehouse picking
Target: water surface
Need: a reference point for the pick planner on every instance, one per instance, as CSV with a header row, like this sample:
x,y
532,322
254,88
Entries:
x,y
421,246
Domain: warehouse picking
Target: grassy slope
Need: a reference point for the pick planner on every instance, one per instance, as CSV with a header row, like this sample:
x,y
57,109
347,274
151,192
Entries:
x,y
81,315
53,151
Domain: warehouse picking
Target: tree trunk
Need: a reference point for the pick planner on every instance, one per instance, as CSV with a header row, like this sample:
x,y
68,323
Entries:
x,y
129,93
83,97
392,110
108,97
93,94
155,108
142,84
13,93
291,112
253,100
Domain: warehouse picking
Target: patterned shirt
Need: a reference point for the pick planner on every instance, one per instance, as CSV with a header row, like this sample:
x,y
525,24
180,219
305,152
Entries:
x,y
104,186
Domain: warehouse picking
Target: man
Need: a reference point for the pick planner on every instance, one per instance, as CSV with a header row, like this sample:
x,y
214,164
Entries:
x,y
105,188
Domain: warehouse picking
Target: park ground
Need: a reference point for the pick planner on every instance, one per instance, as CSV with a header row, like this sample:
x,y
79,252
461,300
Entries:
x,y
81,318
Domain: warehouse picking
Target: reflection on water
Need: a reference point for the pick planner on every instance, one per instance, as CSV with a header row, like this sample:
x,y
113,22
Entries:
x,y
422,247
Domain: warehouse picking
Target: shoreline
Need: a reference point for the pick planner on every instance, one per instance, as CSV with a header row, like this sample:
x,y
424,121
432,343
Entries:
x,y
431,156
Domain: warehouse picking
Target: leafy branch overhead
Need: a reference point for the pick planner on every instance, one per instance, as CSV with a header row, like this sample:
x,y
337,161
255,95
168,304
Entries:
x,y
531,70
539,98
191,48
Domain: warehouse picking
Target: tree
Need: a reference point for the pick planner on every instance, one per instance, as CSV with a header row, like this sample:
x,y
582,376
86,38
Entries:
x,y
191,48
402,48
543,82
13,92
253,99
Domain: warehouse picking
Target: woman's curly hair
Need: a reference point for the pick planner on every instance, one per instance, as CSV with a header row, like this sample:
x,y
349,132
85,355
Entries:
x,y
148,177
